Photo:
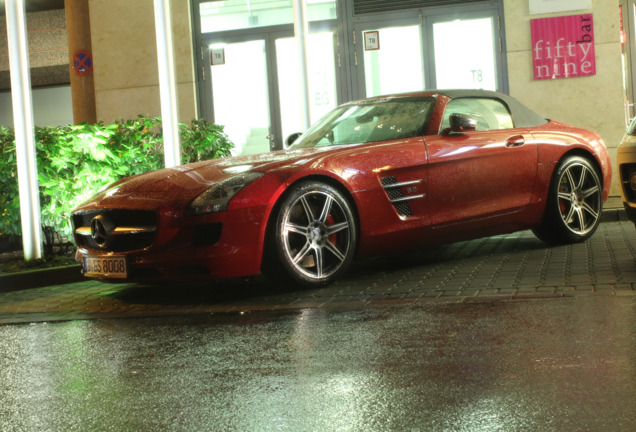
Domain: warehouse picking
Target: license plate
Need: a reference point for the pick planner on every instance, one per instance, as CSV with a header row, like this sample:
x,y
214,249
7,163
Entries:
x,y
105,267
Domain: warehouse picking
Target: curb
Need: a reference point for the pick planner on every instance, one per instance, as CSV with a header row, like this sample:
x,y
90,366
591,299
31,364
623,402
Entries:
x,y
40,278
614,215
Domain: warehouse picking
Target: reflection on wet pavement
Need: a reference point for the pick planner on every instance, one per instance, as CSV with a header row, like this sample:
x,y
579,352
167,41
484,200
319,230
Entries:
x,y
548,364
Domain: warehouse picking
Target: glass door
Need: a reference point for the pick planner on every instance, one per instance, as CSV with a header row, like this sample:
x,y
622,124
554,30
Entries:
x,y
240,94
442,50
466,52
322,80
255,87
389,58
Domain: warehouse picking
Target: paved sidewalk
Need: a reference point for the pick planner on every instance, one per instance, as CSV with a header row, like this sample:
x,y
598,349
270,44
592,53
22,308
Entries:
x,y
514,266
613,211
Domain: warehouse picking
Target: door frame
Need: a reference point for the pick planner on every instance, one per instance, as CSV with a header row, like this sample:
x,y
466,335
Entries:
x,y
269,35
348,85
395,20
270,67
426,16
629,51
497,37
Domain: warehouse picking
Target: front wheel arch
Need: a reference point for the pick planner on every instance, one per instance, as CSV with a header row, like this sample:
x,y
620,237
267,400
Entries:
x,y
270,264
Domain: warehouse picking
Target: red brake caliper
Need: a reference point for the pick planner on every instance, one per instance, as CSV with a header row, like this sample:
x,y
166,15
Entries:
x,y
332,237
562,203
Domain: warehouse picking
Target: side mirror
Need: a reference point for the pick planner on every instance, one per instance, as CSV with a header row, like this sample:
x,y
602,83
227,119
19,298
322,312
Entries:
x,y
461,123
291,138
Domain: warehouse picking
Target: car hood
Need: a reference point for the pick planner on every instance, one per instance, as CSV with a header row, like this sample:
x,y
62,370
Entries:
x,y
181,184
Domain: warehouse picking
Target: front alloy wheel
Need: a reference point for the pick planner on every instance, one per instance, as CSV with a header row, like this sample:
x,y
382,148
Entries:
x,y
575,202
315,236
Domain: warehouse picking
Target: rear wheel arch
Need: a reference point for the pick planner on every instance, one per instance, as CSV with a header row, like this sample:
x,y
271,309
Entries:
x,y
585,155
574,194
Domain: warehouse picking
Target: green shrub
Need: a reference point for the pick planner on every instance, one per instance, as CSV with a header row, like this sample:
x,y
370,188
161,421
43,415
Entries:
x,y
76,161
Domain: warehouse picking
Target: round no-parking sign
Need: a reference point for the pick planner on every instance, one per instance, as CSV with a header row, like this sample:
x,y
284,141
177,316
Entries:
x,y
82,63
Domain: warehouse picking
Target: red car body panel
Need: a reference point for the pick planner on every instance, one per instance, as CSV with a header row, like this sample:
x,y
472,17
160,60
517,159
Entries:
x,y
472,185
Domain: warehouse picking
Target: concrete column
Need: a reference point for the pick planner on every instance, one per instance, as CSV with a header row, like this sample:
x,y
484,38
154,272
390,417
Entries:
x,y
78,29
167,83
24,129
301,33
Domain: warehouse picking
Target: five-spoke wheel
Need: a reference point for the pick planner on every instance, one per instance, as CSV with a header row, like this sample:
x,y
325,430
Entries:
x,y
314,237
575,201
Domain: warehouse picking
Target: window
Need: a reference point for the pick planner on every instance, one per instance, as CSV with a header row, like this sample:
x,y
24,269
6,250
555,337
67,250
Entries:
x,y
221,15
631,130
465,54
488,113
375,121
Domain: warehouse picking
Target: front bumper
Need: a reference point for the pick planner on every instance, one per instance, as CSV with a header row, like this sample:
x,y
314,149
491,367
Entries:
x,y
213,246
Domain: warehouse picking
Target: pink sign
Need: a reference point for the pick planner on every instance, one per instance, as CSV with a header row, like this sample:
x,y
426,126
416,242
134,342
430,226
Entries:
x,y
563,47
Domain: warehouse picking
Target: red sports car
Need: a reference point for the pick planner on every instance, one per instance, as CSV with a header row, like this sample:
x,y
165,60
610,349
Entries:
x,y
373,176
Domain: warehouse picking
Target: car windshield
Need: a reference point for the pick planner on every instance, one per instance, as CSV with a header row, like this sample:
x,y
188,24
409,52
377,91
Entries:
x,y
370,121
631,130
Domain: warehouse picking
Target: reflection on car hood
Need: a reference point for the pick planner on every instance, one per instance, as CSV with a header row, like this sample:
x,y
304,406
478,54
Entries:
x,y
183,183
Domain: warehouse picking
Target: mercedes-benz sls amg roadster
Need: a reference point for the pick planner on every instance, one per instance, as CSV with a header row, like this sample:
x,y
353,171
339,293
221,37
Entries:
x,y
371,177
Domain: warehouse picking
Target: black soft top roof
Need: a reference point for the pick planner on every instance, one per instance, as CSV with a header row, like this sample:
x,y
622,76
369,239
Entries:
x,y
521,114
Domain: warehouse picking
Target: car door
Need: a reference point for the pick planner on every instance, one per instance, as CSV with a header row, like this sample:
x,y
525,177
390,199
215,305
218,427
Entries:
x,y
482,173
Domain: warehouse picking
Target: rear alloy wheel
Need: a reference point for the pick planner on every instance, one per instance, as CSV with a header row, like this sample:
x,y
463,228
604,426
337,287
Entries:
x,y
314,237
575,202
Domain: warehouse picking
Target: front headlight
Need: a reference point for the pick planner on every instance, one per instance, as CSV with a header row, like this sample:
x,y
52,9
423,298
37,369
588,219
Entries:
x,y
217,197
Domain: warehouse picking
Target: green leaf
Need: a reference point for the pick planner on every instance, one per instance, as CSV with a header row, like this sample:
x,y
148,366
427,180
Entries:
x,y
76,160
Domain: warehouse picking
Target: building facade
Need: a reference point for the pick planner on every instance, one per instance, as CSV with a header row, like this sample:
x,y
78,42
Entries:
x,y
237,62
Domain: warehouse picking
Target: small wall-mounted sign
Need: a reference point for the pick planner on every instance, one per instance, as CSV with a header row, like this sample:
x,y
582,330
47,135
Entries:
x,y
217,56
371,40
82,63
563,47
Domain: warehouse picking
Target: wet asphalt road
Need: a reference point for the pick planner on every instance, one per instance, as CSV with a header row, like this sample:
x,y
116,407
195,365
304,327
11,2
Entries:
x,y
557,364
497,334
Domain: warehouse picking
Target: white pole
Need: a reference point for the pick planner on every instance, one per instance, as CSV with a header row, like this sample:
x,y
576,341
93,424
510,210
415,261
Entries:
x,y
167,83
301,31
24,129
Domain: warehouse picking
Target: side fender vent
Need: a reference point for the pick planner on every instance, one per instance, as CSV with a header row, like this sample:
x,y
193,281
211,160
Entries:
x,y
393,190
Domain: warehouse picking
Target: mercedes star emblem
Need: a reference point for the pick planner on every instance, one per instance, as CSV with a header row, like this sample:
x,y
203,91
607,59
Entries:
x,y
98,230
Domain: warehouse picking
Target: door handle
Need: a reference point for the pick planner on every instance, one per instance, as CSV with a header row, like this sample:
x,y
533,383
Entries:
x,y
515,141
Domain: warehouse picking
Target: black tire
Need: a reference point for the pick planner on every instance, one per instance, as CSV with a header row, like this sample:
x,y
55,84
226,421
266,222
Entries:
x,y
575,202
313,238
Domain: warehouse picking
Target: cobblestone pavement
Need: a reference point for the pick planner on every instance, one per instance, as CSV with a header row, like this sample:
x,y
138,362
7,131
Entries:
x,y
514,266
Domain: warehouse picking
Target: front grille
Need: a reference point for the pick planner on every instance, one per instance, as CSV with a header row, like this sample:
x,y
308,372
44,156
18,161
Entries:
x,y
115,230
626,172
